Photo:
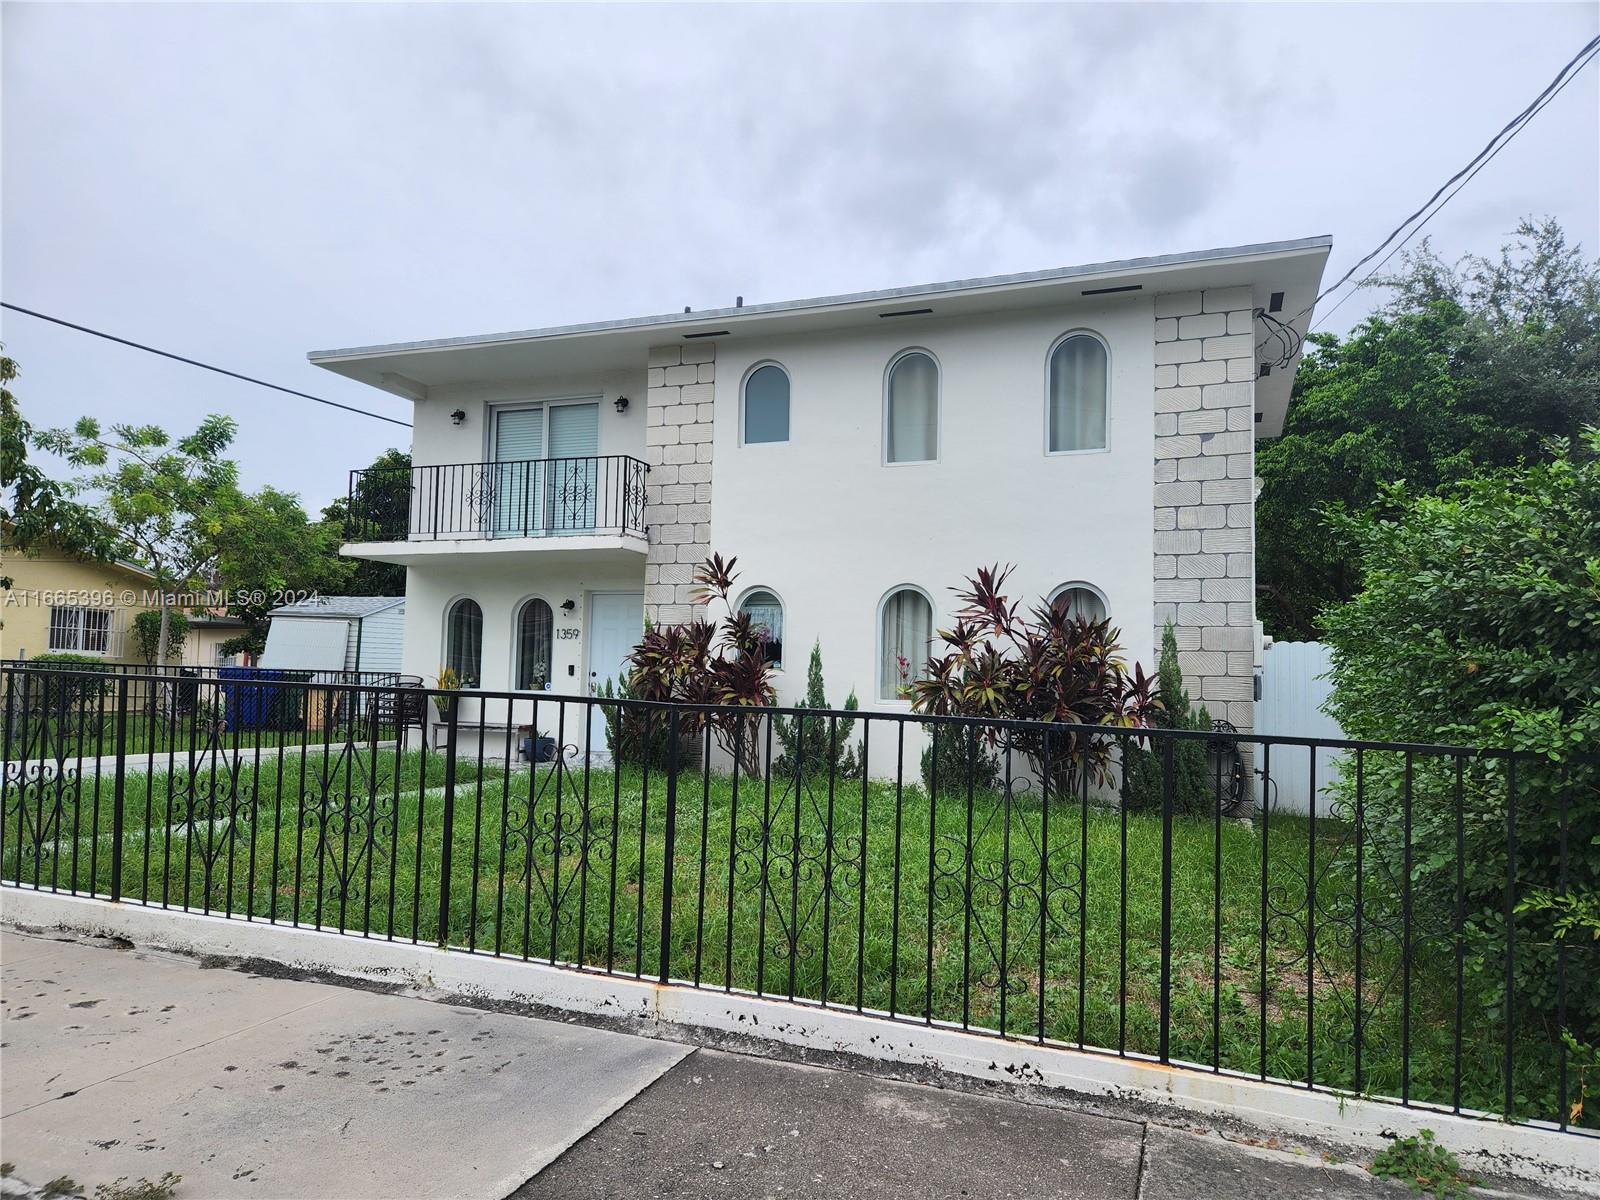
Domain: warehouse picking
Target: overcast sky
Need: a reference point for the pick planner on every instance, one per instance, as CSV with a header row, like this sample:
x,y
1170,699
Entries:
x,y
246,183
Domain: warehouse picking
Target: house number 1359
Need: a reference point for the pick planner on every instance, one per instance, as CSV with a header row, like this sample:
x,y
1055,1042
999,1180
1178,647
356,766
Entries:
x,y
566,634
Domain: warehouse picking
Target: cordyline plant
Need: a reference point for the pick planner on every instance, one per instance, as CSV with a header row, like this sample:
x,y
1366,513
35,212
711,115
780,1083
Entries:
x,y
1043,666
679,663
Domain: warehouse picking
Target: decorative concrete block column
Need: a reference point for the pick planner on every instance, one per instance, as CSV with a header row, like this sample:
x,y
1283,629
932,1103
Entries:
x,y
679,405
1204,493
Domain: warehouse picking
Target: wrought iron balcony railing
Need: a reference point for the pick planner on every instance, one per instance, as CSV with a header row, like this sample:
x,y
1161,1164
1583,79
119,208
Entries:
x,y
543,497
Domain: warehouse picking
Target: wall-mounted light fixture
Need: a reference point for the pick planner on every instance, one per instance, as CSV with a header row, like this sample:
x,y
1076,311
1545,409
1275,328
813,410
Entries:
x,y
622,404
459,417
568,605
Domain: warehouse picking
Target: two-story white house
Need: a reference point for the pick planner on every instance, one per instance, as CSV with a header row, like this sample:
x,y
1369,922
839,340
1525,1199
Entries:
x,y
861,455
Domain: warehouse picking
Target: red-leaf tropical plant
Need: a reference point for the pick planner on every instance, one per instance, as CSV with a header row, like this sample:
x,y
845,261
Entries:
x,y
691,664
1043,666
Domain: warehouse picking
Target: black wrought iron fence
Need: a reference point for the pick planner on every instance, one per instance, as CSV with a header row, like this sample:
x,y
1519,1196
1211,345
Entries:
x,y
546,497
932,870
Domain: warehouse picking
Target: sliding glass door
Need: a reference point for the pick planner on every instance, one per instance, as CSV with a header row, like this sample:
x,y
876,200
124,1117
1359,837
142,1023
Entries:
x,y
543,477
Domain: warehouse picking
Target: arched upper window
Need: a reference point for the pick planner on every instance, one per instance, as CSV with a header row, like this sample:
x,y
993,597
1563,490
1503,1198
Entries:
x,y
463,641
766,611
1077,394
535,623
904,636
911,421
766,404
1079,600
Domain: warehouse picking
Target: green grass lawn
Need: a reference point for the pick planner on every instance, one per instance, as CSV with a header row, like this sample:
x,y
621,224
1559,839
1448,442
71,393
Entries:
x,y
576,875
91,732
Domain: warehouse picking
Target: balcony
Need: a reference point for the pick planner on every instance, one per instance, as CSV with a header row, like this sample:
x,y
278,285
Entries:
x,y
574,507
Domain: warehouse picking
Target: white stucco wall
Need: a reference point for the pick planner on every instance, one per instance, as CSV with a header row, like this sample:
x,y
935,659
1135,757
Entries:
x,y
435,440
823,522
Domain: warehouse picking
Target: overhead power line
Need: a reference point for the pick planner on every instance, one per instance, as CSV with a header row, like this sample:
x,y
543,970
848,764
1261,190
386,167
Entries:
x,y
1502,138
204,366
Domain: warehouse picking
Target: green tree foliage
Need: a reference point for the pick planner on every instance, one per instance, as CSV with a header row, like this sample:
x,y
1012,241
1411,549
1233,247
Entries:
x,y
147,635
816,744
1477,624
280,550
175,503
36,510
1470,367
383,497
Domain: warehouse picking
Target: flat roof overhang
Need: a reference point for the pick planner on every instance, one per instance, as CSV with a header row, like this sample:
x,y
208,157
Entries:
x,y
1292,268
513,553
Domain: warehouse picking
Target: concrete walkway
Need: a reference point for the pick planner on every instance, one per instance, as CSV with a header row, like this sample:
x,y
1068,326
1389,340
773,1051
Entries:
x,y
129,1064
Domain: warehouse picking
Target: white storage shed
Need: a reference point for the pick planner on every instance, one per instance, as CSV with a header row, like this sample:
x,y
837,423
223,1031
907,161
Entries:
x,y
337,633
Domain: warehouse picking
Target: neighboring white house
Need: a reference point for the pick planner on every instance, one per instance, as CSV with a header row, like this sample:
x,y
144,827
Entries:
x,y
861,455
337,633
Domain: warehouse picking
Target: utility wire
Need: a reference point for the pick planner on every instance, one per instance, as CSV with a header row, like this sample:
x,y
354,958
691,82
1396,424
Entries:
x,y
1401,245
193,362
1493,147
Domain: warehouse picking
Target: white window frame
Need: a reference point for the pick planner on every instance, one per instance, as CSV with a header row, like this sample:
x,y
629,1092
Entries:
x,y
444,641
513,674
1081,584
877,639
783,610
744,383
938,410
1048,357
80,630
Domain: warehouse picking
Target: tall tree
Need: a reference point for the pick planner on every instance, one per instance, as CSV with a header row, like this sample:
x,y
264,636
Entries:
x,y
382,496
279,550
35,509
1469,367
175,504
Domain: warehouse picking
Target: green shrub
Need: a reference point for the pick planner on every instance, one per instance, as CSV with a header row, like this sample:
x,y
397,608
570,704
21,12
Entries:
x,y
1476,625
959,751
1194,785
817,747
66,689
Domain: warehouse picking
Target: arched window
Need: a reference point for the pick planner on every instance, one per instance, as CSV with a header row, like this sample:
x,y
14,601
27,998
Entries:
x,y
904,636
1077,414
766,611
1079,600
534,625
766,405
911,422
463,641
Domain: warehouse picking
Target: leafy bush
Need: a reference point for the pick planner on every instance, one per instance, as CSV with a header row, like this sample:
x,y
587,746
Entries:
x,y
957,751
815,745
1194,788
1476,625
147,634
1047,666
677,663
636,734
66,689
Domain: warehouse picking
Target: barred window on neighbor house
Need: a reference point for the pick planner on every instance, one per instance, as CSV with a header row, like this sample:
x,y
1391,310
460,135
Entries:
x,y
80,630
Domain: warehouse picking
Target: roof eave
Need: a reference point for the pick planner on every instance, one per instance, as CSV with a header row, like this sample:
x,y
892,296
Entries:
x,y
671,324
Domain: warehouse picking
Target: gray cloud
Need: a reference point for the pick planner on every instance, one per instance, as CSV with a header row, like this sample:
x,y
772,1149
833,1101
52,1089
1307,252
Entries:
x,y
247,182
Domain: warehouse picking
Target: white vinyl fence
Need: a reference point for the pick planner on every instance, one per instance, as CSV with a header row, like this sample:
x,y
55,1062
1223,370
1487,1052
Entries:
x,y
1294,690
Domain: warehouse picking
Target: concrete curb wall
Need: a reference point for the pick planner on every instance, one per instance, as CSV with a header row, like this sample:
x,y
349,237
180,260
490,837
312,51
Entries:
x,y
1128,1087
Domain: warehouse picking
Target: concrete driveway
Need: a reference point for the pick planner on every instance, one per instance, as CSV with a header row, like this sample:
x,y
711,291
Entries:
x,y
126,1063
